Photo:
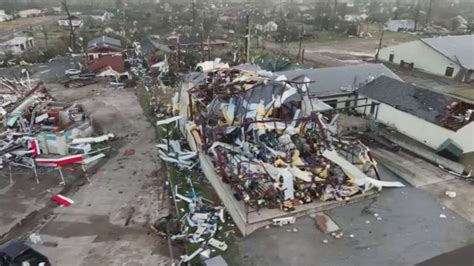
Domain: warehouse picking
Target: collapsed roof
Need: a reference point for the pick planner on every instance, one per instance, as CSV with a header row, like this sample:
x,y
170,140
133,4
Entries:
x,y
429,105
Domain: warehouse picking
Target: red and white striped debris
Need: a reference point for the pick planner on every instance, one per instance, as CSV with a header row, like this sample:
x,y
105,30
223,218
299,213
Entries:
x,y
62,200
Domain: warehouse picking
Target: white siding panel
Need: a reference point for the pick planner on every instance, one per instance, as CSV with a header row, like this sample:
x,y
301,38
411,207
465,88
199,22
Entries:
x,y
423,131
424,57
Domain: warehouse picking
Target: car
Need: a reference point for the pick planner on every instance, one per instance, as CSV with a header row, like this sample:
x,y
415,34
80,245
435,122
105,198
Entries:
x,y
17,253
72,72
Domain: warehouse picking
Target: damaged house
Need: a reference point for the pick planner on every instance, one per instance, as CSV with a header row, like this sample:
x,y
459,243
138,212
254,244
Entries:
x,y
104,56
446,123
268,151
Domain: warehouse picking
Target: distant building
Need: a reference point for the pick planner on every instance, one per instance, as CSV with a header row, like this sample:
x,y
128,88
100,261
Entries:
x,y
104,56
17,45
431,118
57,9
108,65
102,46
4,16
449,56
399,25
270,26
167,45
75,21
100,16
27,13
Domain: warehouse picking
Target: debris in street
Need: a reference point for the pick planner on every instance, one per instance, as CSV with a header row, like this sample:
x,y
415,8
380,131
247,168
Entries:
x,y
40,132
35,238
284,221
62,200
451,194
325,224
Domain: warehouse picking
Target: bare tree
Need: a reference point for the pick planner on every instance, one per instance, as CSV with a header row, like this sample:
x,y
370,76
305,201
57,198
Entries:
x,y
416,14
72,35
428,13
45,33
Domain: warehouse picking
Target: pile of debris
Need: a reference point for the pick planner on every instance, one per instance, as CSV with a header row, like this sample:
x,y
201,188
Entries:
x,y
202,221
38,131
269,141
456,115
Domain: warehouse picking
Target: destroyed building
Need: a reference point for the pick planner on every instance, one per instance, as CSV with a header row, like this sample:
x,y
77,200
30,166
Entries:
x,y
267,149
38,131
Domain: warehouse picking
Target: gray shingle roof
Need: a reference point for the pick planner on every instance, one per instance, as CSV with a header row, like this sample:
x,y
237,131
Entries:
x,y
339,80
423,103
457,48
104,41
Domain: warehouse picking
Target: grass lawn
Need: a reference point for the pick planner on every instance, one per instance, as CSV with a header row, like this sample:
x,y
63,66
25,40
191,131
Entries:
x,y
36,21
226,232
466,93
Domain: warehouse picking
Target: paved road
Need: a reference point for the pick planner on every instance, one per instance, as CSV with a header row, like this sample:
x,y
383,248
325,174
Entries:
x,y
411,231
51,72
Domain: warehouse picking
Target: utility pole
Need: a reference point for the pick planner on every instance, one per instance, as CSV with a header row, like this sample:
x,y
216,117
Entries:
x,y
417,14
302,56
301,42
380,45
202,42
194,13
72,36
428,13
208,48
179,54
247,41
45,33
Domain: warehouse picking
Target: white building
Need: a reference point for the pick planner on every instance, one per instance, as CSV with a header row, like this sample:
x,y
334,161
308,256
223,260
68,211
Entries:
x,y
27,13
271,26
449,56
75,21
399,25
17,45
101,16
4,16
426,116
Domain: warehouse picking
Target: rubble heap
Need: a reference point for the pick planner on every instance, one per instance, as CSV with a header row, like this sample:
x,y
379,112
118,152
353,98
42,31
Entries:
x,y
38,131
271,144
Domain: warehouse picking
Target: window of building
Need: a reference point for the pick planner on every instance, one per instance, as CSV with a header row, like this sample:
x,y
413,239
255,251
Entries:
x,y
91,57
372,108
391,57
449,72
332,103
22,47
